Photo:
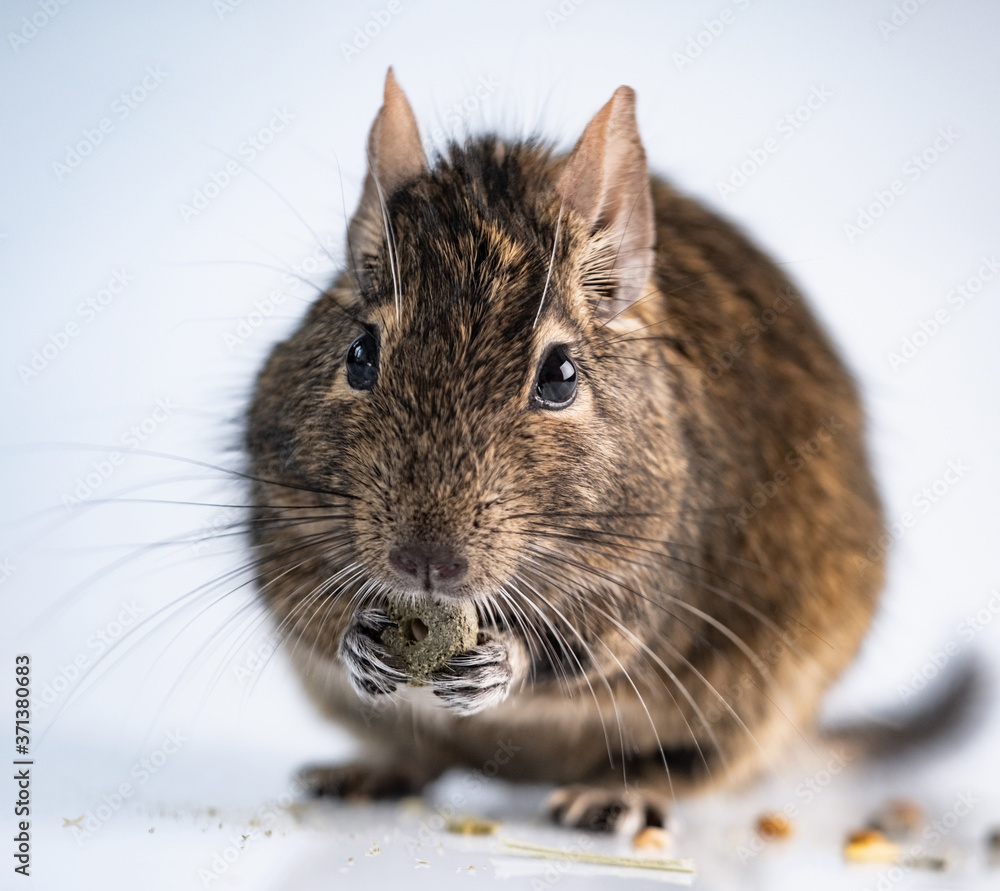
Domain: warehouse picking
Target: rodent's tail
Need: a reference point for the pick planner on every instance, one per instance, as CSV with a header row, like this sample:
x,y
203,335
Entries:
x,y
947,709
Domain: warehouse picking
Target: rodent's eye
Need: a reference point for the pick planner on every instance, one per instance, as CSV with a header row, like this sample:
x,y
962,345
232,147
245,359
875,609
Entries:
x,y
556,383
362,362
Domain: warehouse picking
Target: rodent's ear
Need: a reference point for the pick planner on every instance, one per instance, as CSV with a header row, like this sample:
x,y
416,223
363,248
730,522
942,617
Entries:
x,y
606,182
395,156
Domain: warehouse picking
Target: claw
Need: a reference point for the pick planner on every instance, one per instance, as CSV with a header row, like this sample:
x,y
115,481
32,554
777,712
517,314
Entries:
x,y
372,670
475,680
606,810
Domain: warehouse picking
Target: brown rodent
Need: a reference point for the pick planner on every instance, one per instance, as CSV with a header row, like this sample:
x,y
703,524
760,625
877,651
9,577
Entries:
x,y
554,386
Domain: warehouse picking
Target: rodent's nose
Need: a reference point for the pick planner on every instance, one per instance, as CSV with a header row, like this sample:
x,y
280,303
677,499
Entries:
x,y
437,566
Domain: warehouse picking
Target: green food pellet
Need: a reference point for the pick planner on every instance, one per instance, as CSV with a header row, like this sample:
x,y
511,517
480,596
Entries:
x,y
428,634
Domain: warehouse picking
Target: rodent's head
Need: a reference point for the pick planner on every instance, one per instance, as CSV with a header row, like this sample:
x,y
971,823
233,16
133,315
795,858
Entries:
x,y
463,400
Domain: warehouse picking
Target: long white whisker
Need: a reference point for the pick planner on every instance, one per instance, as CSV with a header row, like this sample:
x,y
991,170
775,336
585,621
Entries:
x,y
552,260
390,242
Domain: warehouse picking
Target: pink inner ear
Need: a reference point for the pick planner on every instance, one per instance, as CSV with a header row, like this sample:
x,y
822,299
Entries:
x,y
395,157
606,182
396,154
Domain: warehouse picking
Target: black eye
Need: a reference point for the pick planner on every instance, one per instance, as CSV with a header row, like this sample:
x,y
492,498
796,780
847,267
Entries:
x,y
556,384
362,362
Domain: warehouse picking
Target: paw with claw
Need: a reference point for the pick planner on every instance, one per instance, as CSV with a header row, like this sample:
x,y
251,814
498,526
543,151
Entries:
x,y
477,679
607,810
372,670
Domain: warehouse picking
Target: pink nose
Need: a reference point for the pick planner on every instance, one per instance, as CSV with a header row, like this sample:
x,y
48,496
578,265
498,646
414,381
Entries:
x,y
437,566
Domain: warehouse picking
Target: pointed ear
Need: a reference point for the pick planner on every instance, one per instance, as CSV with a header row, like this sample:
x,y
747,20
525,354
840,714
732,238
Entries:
x,y
395,156
606,182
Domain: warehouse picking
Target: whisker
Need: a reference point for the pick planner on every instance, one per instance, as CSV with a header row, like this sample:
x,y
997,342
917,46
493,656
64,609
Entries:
x,y
552,260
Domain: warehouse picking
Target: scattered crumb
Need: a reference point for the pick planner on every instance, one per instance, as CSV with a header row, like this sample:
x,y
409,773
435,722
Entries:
x,y
151,831
870,846
254,821
297,809
421,863
929,863
213,811
375,849
472,826
411,804
267,833
68,822
651,838
350,859
899,818
774,826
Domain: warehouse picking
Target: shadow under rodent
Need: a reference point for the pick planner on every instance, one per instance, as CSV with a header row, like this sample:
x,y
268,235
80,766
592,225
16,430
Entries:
x,y
553,387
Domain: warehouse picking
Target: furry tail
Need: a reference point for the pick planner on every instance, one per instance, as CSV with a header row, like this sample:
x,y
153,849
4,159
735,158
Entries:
x,y
948,709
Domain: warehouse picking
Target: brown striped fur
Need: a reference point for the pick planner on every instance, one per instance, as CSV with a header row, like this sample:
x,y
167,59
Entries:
x,y
688,631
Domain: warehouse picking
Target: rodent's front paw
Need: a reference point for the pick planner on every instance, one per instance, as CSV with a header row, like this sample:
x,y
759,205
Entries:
x,y
475,680
372,670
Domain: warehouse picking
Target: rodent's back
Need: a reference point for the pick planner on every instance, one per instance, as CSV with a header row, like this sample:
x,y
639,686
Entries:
x,y
776,434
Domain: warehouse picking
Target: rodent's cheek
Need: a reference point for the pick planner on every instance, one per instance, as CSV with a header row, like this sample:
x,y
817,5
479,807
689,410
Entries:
x,y
570,447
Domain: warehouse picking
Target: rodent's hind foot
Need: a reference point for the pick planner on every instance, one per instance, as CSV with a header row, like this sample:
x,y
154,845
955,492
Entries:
x,y
362,782
601,809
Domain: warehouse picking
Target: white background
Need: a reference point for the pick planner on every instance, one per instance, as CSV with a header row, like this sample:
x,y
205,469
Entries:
x,y
215,76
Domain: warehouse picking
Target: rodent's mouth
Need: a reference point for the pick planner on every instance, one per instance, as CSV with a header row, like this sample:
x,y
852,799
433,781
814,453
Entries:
x,y
422,600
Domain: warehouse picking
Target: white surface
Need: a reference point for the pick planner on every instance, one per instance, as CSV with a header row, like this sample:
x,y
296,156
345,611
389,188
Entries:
x,y
222,74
